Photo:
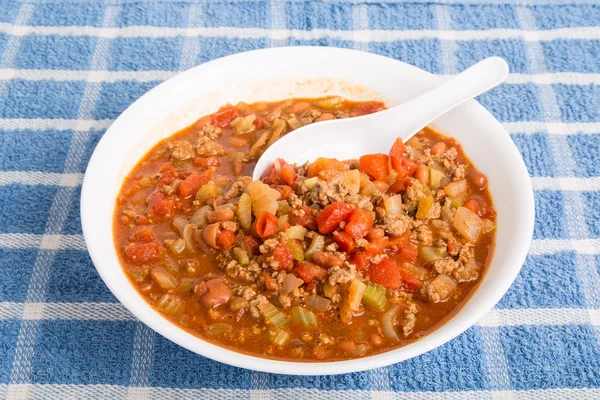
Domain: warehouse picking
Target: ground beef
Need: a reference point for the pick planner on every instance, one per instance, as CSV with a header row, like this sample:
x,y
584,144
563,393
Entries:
x,y
210,131
435,211
268,245
453,247
451,153
459,172
445,266
424,235
284,300
245,292
415,192
238,271
182,150
295,201
395,224
235,190
207,147
410,318
260,299
378,258
340,275
466,254
323,193
310,115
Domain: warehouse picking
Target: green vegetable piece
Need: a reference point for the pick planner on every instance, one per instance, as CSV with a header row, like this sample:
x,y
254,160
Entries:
x,y
244,211
429,254
330,103
424,207
374,296
280,337
170,304
273,315
317,244
138,275
207,192
296,250
186,285
305,317
435,177
218,328
176,246
241,256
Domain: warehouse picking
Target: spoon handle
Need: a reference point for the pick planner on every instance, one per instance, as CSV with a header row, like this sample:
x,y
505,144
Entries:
x,y
419,112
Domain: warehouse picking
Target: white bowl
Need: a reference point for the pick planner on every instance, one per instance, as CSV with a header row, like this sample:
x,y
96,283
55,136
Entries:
x,y
288,72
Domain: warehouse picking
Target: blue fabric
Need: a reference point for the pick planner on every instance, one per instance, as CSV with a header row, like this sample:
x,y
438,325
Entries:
x,y
63,334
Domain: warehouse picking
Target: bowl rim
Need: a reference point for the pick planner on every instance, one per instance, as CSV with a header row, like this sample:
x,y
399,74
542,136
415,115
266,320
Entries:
x,y
231,357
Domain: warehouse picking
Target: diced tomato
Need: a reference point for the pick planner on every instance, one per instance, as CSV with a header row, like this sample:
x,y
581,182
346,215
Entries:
x,y
285,175
359,224
226,239
252,245
284,257
397,154
361,259
325,168
190,185
206,162
400,241
411,281
367,108
480,207
374,165
225,115
376,247
270,282
407,253
142,234
344,241
284,190
308,271
399,185
330,218
166,179
167,167
142,253
160,205
288,173
267,225
306,220
386,273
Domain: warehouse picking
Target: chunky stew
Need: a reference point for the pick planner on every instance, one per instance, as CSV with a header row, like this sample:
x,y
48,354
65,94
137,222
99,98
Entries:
x,y
330,260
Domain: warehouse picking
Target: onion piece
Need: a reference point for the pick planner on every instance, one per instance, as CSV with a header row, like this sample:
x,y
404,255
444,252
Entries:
x,y
355,293
188,230
456,188
200,217
387,322
393,205
350,178
468,224
296,232
178,224
444,286
290,283
318,303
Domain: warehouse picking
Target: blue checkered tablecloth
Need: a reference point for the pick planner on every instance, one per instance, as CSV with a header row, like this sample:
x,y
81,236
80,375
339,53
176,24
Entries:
x,y
67,69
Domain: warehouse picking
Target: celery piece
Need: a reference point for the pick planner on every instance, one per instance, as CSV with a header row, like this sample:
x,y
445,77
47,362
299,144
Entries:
x,y
186,285
176,246
138,275
435,177
329,290
457,201
273,315
243,124
296,250
429,254
218,328
207,192
296,232
244,211
488,226
374,296
278,127
356,289
294,123
330,103
317,244
283,207
241,256
424,207
280,337
305,317
170,304
310,182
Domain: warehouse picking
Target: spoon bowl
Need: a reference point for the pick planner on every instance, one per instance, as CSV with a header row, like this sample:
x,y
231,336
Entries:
x,y
351,138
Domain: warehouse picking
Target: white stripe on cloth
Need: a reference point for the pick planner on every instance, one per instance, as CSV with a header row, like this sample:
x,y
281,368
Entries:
x,y
40,178
88,311
190,54
190,49
61,205
448,47
77,242
375,35
360,22
104,391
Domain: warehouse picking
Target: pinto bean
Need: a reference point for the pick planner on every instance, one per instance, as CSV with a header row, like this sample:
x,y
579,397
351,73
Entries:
x,y
220,215
326,260
376,234
422,173
376,339
217,292
209,234
347,345
478,179
238,168
438,149
325,117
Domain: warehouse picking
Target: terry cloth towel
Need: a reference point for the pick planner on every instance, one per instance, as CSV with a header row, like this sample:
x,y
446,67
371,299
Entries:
x,y
67,69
